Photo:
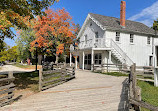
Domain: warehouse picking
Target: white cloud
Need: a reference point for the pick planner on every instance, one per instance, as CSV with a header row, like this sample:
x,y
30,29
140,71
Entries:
x,y
147,15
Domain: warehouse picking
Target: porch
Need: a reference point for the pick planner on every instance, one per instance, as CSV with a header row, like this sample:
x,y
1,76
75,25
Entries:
x,y
89,57
108,51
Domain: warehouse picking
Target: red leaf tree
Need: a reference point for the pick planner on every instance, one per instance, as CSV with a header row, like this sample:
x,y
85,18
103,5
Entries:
x,y
54,31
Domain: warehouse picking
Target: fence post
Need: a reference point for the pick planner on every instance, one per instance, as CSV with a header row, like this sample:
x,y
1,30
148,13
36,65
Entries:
x,y
93,67
136,89
131,81
107,67
40,79
73,70
156,77
10,75
134,79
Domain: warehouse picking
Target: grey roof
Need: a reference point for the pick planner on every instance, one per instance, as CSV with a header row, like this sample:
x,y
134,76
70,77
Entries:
x,y
114,24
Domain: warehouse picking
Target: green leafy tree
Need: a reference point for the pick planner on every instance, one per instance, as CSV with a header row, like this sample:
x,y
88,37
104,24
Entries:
x,y
23,43
3,46
155,25
9,54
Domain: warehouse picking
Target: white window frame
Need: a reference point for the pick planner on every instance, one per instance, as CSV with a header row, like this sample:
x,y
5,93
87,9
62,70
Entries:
x,y
148,40
117,39
131,38
98,60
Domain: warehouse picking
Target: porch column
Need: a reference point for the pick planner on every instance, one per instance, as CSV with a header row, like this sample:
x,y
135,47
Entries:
x,y
70,58
92,59
76,62
156,77
109,57
83,61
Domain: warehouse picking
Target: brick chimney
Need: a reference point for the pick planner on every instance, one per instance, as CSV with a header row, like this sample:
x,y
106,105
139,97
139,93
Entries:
x,y
123,14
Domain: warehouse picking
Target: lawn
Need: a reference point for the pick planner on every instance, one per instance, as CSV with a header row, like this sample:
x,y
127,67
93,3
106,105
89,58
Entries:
x,y
27,80
27,66
149,93
116,74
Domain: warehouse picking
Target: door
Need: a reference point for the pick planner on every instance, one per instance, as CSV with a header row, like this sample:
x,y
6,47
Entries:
x,y
87,62
150,60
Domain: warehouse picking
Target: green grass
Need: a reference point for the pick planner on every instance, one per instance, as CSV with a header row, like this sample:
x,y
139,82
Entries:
x,y
21,66
149,93
29,80
115,74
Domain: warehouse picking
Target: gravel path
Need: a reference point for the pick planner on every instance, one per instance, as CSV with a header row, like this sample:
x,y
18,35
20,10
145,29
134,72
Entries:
x,y
87,92
7,68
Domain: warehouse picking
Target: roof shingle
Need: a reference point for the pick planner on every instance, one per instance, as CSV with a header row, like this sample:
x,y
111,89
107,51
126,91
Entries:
x,y
114,23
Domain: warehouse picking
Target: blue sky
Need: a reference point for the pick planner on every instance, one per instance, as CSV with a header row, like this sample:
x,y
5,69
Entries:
x,y
144,11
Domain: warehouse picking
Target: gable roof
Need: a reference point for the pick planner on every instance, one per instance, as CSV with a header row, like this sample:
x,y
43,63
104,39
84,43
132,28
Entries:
x,y
114,24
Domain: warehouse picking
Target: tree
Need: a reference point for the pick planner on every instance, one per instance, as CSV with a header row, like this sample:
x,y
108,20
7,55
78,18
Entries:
x,y
3,46
54,31
9,54
25,37
155,25
13,11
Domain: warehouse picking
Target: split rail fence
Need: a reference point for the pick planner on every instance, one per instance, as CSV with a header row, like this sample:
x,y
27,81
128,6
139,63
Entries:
x,y
135,92
59,75
6,88
141,70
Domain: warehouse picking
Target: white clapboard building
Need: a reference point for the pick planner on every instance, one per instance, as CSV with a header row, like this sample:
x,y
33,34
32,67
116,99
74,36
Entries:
x,y
111,40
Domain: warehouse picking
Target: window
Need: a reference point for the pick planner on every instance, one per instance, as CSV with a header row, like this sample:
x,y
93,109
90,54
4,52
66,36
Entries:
x,y
87,59
96,35
97,58
86,39
90,23
131,38
148,40
118,36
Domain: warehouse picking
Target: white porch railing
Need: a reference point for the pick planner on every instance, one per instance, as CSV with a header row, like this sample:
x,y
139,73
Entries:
x,y
102,43
107,43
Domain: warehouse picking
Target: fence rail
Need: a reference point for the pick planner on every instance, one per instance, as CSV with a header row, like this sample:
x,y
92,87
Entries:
x,y
6,88
135,92
51,78
140,70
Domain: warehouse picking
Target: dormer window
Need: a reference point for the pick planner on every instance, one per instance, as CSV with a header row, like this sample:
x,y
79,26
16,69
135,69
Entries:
x,y
131,38
148,40
96,35
117,36
90,23
85,39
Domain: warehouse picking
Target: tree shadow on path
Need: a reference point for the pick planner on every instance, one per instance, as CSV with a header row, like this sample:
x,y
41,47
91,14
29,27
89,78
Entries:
x,y
124,101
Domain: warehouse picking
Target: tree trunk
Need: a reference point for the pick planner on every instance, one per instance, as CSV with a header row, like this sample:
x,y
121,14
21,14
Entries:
x,y
28,61
39,59
56,59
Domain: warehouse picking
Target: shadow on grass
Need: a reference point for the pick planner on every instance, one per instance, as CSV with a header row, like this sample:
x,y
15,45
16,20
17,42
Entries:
x,y
24,80
149,82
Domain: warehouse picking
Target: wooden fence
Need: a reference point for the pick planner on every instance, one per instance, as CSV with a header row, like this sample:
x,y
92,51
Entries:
x,y
140,70
135,92
54,66
6,88
51,78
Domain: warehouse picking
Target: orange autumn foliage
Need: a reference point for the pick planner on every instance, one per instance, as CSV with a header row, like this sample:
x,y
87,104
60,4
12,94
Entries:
x,y
56,29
